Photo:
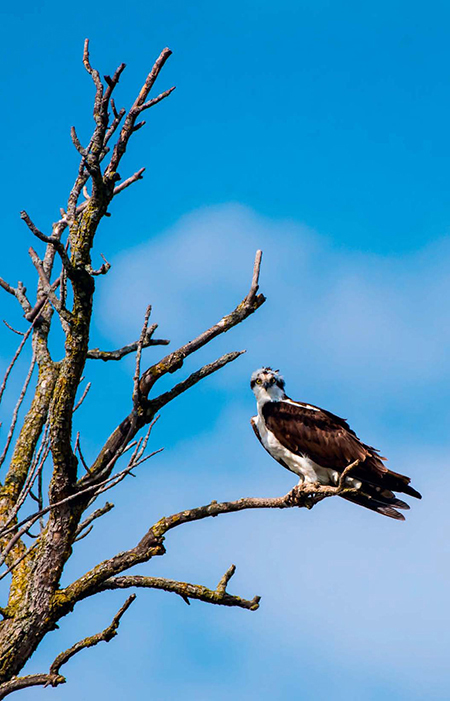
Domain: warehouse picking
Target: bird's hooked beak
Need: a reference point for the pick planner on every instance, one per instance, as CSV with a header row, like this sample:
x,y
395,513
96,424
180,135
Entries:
x,y
268,382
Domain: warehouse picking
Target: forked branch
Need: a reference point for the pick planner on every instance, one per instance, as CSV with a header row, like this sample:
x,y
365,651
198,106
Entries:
x,y
187,591
54,678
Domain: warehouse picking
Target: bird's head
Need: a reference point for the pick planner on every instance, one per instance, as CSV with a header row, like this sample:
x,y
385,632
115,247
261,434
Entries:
x,y
267,384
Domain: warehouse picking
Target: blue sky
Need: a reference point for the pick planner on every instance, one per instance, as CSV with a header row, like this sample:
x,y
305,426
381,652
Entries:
x,y
317,131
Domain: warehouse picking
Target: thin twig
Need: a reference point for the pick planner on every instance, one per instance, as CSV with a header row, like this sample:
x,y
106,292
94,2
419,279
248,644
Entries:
x,y
129,181
77,447
137,372
16,411
121,475
83,397
12,363
35,473
18,292
83,535
11,328
103,268
142,448
95,514
153,102
255,279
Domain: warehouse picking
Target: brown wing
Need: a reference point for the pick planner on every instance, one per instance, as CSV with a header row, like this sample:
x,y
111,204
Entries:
x,y
330,442
324,438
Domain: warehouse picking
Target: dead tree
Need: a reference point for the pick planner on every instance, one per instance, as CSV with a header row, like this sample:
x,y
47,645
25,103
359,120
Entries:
x,y
65,295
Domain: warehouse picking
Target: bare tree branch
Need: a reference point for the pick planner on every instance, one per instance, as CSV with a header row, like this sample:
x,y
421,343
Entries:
x,y
18,683
12,363
105,636
16,411
77,447
52,240
53,678
136,109
140,345
129,181
36,310
97,354
83,397
103,268
18,292
11,328
47,288
187,591
175,360
96,514
163,399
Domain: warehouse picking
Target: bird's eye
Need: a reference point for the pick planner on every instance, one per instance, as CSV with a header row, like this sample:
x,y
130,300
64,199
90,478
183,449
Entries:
x,y
258,381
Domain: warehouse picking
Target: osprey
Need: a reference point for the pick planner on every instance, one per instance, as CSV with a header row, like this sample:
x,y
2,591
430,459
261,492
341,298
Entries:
x,y
318,445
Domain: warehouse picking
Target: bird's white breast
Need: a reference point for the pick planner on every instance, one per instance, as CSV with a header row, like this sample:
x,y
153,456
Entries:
x,y
304,467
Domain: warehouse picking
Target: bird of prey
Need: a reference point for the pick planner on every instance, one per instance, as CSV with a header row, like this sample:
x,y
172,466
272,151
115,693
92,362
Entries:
x,y
317,446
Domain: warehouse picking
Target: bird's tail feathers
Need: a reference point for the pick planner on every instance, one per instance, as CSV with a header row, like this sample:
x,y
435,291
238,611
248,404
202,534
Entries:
x,y
384,507
384,478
